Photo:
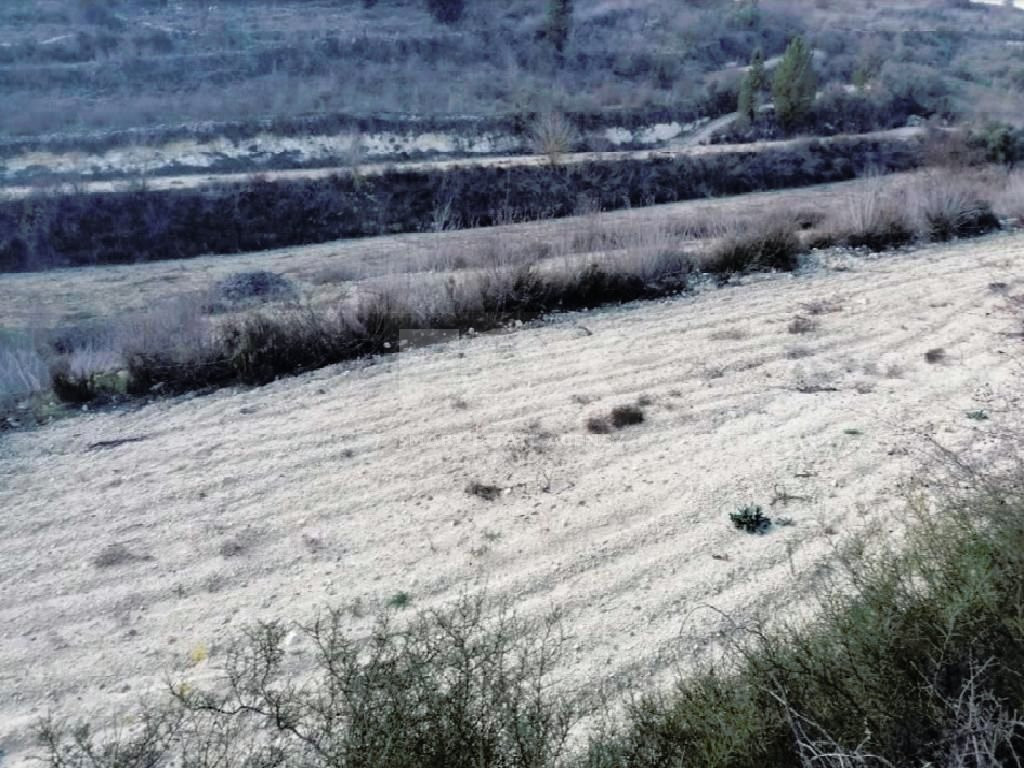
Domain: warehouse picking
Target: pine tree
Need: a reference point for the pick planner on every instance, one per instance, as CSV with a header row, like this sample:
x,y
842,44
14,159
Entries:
x,y
559,24
756,74
745,102
794,84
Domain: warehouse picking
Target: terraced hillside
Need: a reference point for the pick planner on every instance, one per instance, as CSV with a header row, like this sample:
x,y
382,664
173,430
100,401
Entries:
x,y
138,541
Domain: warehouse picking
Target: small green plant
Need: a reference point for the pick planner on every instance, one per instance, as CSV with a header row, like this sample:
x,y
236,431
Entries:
x,y
852,431
977,415
400,600
751,519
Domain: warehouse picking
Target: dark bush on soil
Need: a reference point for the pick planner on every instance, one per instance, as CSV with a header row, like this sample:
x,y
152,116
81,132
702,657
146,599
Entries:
x,y
769,245
254,286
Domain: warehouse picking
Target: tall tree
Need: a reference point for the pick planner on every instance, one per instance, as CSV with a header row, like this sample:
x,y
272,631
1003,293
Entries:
x,y
753,84
559,24
745,103
756,73
794,84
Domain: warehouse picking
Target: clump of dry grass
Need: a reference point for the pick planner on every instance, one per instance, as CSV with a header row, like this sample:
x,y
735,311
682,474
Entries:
x,y
1009,201
23,369
759,245
933,207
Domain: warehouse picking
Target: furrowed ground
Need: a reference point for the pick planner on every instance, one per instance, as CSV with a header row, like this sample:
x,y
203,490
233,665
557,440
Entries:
x,y
143,538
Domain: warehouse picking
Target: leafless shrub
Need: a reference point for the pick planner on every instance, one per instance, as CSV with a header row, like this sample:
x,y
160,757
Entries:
x,y
466,686
944,206
872,216
553,136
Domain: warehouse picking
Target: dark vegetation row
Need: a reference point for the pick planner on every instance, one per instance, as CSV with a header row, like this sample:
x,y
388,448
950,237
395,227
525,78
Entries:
x,y
45,232
257,345
913,658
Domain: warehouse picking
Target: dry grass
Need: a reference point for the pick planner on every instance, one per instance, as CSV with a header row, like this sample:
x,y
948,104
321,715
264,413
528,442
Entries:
x,y
204,337
932,207
1009,201
23,369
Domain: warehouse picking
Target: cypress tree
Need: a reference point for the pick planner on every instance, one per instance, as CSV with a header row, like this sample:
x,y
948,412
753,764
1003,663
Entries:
x,y
794,85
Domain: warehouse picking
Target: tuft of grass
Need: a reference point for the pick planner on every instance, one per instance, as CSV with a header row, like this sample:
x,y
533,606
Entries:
x,y
935,356
766,244
484,491
626,416
751,519
400,600
977,415
619,417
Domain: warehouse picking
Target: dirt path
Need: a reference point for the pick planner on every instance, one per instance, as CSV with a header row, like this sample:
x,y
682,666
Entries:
x,y
132,540
193,181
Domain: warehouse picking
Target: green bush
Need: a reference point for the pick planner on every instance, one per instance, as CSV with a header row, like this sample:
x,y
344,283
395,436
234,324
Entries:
x,y
913,659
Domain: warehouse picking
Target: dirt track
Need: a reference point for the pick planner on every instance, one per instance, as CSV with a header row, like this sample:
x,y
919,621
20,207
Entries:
x,y
349,484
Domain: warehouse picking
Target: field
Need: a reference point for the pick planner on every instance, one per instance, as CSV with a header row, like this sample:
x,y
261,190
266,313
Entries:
x,y
146,536
464,384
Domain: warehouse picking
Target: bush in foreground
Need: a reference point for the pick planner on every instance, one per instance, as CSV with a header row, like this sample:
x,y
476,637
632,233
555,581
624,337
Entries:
x,y
913,658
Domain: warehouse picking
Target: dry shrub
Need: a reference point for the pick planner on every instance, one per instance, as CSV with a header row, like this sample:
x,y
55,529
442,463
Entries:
x,y
553,136
933,207
770,243
871,217
466,686
945,206
23,368
1009,201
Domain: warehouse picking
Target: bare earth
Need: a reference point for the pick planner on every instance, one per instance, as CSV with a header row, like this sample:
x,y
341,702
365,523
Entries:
x,y
349,484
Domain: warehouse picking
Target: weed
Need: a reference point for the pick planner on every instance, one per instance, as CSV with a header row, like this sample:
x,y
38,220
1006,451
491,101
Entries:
x,y
750,519
977,415
626,416
766,245
400,600
484,491
935,356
